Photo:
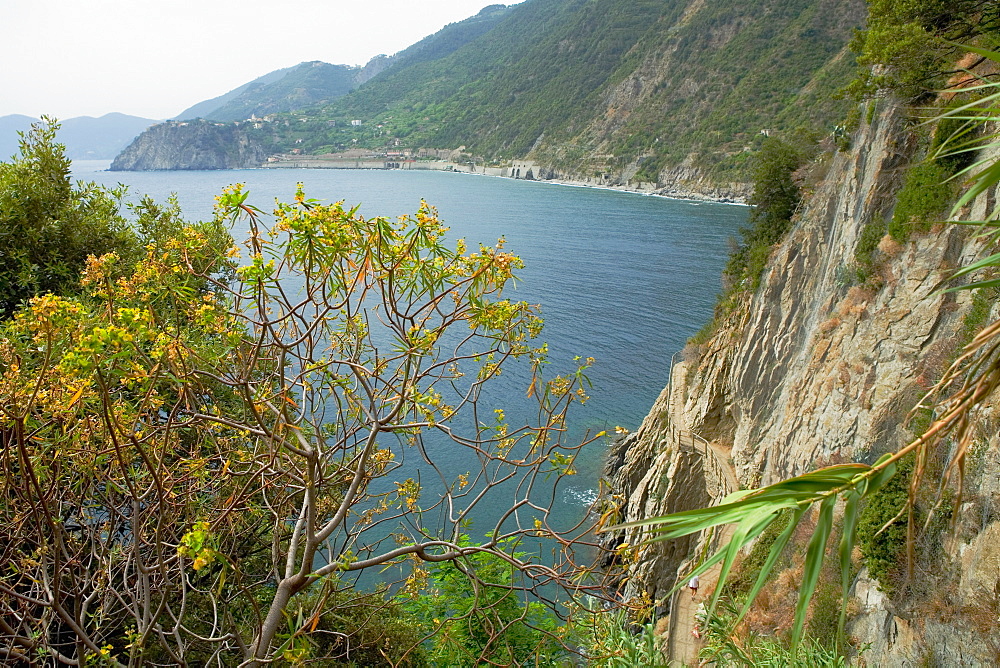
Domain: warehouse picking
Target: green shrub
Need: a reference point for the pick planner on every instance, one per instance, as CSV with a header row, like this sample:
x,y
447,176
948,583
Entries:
x,y
870,109
915,42
775,198
491,622
954,132
922,201
884,547
825,616
356,629
866,255
982,303
726,646
48,226
612,640
738,584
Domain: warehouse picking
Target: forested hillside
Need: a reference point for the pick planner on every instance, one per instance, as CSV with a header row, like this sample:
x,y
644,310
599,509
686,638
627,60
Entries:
x,y
628,87
316,83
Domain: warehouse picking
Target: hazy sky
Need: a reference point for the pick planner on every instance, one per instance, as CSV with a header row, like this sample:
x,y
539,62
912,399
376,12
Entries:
x,y
71,58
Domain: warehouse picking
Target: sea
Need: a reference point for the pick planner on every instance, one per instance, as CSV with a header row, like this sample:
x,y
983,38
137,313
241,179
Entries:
x,y
621,277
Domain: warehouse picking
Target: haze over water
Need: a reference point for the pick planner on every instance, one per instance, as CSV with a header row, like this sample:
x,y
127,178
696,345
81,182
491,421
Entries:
x,y
623,278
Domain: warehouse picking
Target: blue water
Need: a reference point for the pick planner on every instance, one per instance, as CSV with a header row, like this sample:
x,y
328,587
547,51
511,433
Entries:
x,y
623,278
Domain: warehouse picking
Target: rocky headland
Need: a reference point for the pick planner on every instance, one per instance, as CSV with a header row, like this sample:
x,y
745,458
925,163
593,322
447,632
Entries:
x,y
183,145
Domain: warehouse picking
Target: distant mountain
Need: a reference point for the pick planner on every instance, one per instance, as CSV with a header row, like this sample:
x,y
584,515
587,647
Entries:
x,y
288,89
9,127
205,109
100,138
85,137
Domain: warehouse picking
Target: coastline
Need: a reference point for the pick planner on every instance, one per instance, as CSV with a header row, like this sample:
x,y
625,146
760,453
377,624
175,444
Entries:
x,y
734,194
714,194
696,196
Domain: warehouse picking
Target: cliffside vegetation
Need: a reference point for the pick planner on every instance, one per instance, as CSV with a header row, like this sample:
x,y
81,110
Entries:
x,y
912,47
775,198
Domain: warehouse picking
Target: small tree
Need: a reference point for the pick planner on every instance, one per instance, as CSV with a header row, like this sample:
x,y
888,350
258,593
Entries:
x,y
482,618
908,46
193,466
48,227
774,199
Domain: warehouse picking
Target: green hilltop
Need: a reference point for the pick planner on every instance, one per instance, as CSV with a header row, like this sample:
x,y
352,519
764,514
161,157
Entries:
x,y
303,85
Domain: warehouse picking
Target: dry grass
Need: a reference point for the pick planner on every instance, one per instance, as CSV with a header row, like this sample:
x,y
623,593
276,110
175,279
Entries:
x,y
845,374
984,615
890,246
934,364
691,354
829,325
856,301
773,612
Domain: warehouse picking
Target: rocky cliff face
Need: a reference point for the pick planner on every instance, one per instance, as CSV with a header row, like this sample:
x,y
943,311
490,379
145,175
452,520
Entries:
x,y
190,145
811,370
684,181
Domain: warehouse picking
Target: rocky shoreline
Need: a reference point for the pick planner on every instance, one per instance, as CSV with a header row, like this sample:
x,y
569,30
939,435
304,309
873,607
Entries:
x,y
733,195
682,182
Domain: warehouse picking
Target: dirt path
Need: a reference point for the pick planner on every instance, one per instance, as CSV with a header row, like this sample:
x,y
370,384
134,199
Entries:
x,y
681,643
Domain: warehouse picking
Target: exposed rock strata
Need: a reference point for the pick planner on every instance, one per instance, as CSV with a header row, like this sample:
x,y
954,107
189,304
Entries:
x,y
812,371
190,145
683,181
688,182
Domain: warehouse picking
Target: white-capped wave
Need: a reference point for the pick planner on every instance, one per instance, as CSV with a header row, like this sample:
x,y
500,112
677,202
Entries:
x,y
580,496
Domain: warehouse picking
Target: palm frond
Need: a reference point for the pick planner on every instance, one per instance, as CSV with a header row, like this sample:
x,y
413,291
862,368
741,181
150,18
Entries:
x,y
751,512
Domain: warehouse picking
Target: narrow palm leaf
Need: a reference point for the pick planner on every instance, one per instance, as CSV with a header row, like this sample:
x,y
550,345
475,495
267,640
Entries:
x,y
851,506
747,530
772,558
990,261
812,567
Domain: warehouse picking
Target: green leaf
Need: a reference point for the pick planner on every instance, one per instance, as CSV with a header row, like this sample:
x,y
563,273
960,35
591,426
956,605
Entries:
x,y
977,223
688,522
877,481
772,558
990,261
747,530
812,567
992,55
851,515
701,569
984,180
992,283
